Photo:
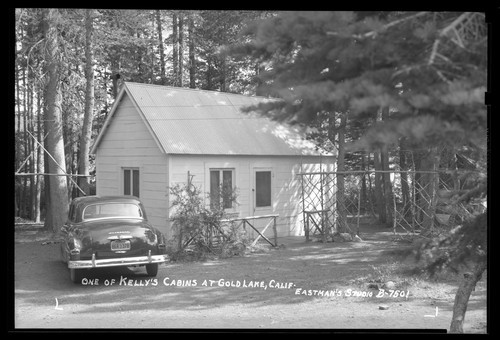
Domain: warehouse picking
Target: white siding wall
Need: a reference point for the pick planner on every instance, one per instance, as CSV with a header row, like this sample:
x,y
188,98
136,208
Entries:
x,y
286,185
128,143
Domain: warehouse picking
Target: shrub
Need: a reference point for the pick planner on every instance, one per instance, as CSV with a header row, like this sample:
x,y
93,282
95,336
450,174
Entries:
x,y
202,230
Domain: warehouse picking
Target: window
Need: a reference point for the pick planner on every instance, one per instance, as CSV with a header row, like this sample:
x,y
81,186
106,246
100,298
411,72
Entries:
x,y
221,187
131,182
72,213
262,189
112,210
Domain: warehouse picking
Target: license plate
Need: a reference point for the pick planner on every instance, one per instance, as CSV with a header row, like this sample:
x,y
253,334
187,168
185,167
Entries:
x,y
120,245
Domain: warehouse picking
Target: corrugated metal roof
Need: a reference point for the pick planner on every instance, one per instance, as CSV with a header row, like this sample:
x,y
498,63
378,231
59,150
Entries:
x,y
191,121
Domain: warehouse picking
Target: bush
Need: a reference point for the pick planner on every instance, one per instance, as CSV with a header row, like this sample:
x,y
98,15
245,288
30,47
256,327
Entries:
x,y
202,231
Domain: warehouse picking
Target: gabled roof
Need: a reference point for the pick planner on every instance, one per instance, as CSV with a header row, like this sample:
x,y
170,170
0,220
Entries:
x,y
191,121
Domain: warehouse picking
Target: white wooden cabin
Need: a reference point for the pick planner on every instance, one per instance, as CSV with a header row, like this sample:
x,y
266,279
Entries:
x,y
155,135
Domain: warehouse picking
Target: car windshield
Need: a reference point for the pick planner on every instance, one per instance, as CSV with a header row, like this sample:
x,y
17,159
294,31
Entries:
x,y
112,210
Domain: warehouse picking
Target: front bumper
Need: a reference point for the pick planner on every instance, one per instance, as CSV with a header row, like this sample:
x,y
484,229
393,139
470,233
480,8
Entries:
x,y
125,261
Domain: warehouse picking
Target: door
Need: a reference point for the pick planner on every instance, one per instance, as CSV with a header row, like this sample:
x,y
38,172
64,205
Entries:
x,y
262,197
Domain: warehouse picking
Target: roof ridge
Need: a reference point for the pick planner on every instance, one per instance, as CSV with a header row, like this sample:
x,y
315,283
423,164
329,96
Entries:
x,y
196,89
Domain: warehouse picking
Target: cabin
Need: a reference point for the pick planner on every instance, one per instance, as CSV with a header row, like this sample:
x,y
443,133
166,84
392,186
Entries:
x,y
155,137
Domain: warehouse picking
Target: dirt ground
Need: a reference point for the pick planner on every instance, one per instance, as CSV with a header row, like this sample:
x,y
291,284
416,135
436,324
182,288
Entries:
x,y
297,286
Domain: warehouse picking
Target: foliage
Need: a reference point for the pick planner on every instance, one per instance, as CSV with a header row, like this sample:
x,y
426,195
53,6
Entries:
x,y
198,227
125,42
215,30
327,62
461,248
427,70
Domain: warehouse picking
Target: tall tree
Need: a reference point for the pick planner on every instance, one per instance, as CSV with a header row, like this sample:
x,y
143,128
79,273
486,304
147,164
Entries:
x,y
85,138
340,195
429,68
379,187
175,47
160,47
39,160
216,31
192,60
405,187
180,74
58,188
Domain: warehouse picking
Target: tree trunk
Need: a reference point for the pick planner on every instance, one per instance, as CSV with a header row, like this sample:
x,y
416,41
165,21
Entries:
x,y
341,206
115,56
31,121
405,187
161,48
83,159
387,186
39,161
58,187
371,191
429,183
18,154
209,73
363,193
180,78
192,63
259,86
25,199
175,48
386,175
379,191
223,74
463,294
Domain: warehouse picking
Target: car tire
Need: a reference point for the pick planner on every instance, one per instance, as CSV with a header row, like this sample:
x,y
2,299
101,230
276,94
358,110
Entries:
x,y
152,269
76,275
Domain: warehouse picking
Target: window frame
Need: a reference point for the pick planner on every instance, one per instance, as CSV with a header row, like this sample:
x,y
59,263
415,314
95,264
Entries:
x,y
271,176
131,181
141,212
221,171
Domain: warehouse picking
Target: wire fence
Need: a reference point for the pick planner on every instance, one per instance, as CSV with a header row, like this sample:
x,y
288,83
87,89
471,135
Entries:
x,y
413,202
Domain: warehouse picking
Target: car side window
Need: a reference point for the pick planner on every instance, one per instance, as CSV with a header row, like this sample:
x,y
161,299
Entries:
x,y
72,213
90,212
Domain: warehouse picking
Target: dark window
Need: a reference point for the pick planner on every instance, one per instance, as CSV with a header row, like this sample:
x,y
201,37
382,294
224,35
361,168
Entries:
x,y
126,182
227,187
72,213
221,184
131,182
214,189
135,183
262,189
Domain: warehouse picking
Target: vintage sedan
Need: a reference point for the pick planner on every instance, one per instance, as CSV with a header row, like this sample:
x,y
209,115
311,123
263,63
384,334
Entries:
x,y
110,231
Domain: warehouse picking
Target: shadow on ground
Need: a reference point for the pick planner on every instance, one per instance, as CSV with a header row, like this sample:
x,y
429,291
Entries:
x,y
40,278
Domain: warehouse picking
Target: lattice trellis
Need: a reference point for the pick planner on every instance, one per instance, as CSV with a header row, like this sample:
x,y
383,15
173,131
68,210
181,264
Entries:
x,y
325,210
429,206
318,202
425,206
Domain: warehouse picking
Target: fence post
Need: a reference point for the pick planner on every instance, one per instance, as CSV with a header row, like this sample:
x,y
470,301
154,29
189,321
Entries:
x,y
359,212
275,232
395,210
306,226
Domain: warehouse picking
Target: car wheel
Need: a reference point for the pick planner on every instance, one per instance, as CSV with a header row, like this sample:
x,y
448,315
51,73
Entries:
x,y
152,269
76,275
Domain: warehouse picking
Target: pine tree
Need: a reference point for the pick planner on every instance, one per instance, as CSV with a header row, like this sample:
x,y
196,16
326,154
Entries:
x,y
426,70
57,185
85,138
